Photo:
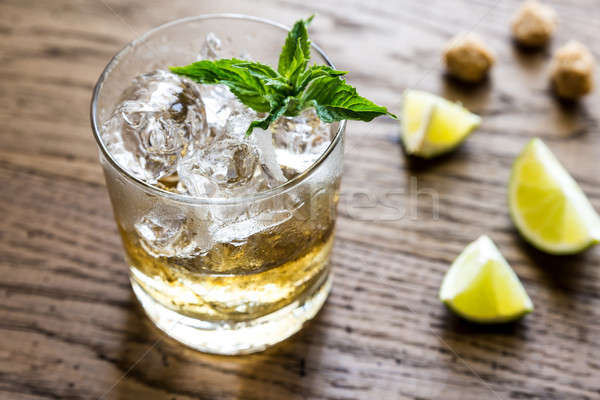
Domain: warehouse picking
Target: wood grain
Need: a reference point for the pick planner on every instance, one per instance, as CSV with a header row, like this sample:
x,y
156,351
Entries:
x,y
71,329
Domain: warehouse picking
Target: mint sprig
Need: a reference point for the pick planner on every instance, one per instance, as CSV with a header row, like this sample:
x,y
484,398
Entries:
x,y
289,90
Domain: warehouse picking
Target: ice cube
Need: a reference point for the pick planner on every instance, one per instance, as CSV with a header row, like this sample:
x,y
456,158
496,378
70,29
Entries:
x,y
226,115
216,100
238,231
268,159
238,122
218,169
221,107
160,117
164,234
123,148
299,141
170,231
211,47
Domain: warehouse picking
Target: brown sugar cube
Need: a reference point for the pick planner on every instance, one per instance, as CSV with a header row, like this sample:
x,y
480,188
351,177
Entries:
x,y
467,57
573,70
534,23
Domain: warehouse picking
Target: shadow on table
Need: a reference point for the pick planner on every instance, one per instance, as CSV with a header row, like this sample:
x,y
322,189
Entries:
x,y
531,59
565,274
157,367
417,165
477,350
474,96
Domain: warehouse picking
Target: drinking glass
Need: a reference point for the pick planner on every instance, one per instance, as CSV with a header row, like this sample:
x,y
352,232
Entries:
x,y
225,275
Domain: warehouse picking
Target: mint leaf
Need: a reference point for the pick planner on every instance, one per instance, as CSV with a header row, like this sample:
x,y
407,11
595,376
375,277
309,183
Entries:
x,y
315,71
296,50
273,115
289,90
297,66
267,75
335,100
256,85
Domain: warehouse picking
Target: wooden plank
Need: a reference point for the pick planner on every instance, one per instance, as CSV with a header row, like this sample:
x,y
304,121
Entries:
x,y
70,327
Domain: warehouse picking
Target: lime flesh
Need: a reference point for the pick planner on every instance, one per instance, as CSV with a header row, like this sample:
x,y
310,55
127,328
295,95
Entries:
x,y
548,207
481,287
432,125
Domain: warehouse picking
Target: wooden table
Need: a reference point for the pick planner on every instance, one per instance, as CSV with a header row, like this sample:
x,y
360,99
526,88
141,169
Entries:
x,y
70,327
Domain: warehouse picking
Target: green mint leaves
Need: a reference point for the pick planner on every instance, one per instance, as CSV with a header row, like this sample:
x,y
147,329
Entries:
x,y
296,51
256,85
289,90
335,100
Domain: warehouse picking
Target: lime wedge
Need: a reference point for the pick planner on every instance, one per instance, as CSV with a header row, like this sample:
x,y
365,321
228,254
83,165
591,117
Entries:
x,y
481,287
432,125
547,205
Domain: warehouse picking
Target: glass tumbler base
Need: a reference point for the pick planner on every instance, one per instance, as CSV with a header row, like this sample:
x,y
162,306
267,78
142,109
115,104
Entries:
x,y
241,337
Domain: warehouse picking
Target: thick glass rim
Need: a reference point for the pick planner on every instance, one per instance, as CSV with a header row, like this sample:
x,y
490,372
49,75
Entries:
x,y
203,200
